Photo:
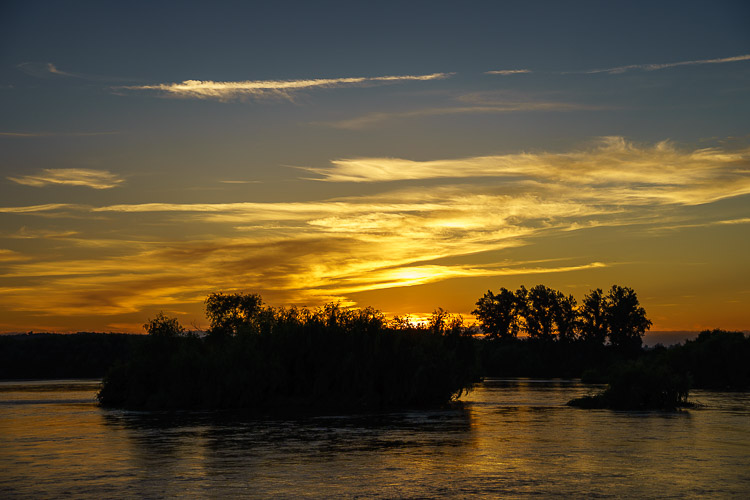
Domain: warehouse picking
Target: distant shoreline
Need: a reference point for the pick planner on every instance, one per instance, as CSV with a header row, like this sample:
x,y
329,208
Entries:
x,y
650,339
669,337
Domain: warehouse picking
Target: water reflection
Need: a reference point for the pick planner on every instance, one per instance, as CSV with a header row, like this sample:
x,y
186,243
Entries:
x,y
317,455
507,438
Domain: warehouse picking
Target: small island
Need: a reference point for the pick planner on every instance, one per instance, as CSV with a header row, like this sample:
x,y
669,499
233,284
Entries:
x,y
264,359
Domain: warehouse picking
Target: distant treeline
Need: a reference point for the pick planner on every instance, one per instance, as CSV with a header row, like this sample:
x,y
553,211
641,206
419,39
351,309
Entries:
x,y
716,359
261,358
57,356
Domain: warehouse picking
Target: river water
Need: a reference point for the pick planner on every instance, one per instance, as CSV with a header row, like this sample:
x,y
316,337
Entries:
x,y
507,438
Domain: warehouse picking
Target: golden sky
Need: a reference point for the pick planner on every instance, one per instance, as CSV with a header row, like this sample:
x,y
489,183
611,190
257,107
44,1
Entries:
x,y
399,164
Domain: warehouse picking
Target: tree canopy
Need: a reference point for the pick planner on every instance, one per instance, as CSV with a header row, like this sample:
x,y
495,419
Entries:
x,y
547,314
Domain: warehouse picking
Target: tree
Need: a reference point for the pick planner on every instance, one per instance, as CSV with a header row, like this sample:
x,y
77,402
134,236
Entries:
x,y
497,314
541,306
234,313
625,317
163,326
592,317
566,317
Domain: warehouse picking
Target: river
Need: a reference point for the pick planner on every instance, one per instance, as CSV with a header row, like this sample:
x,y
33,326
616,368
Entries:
x,y
506,438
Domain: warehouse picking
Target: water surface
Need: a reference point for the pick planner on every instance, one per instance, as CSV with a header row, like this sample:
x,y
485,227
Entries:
x,y
507,437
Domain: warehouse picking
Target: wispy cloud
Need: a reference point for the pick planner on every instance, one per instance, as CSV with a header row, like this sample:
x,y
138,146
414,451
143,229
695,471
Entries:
x,y
97,179
507,72
744,220
26,233
656,67
301,270
50,70
631,67
9,255
369,119
466,225
310,253
44,69
661,173
30,209
54,134
226,91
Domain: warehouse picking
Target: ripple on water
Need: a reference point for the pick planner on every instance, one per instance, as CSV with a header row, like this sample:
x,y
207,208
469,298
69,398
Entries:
x,y
511,437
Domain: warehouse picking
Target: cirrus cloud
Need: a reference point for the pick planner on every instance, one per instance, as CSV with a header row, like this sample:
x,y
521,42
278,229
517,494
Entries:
x,y
472,222
613,169
227,91
96,179
660,66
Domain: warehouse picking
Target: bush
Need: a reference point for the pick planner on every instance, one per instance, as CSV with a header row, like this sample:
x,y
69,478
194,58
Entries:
x,y
636,385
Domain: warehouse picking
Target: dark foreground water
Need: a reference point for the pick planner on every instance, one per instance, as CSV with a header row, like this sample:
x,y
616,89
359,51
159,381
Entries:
x,y
508,438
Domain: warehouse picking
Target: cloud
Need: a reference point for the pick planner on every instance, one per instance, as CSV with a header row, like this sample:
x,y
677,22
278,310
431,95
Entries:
x,y
55,134
50,70
299,270
49,207
656,67
44,70
370,119
227,91
744,220
312,252
726,222
507,72
10,255
96,179
631,67
471,222
613,167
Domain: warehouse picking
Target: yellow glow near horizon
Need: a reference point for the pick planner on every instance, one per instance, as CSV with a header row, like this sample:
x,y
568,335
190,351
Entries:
x,y
553,218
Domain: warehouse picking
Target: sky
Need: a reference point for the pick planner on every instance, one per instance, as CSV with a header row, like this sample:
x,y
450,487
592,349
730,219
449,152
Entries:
x,y
400,155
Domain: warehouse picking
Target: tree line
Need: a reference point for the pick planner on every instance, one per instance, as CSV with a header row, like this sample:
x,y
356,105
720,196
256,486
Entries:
x,y
543,313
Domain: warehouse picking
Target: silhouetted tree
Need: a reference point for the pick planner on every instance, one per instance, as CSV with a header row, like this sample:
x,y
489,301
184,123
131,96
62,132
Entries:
x,y
593,322
566,317
522,308
402,323
497,314
163,326
234,313
442,322
625,318
367,319
541,306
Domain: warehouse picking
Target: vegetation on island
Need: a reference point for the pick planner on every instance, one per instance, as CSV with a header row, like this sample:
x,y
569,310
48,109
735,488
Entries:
x,y
261,358
640,385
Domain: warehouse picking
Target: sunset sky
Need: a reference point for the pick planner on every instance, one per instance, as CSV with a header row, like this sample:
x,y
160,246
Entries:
x,y
403,155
